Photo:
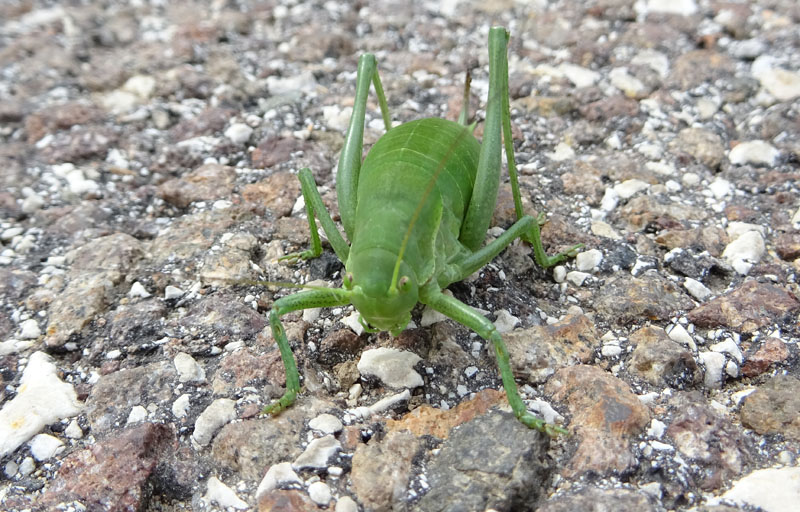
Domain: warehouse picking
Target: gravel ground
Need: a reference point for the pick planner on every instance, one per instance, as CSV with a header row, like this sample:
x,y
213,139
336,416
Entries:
x,y
149,157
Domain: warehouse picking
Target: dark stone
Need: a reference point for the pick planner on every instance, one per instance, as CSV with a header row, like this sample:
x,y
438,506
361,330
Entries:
x,y
493,461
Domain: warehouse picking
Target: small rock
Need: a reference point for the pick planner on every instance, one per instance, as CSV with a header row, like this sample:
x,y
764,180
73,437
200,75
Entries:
x,y
537,352
705,146
717,448
118,470
490,462
754,152
320,493
748,307
238,133
597,500
188,369
587,261
172,292
393,367
137,415
661,361
220,412
630,188
45,446
346,504
222,495
317,453
678,7
181,406
774,408
138,290
577,278
772,351
770,490
505,321
29,329
606,414
42,398
326,423
713,362
382,469
696,289
782,84
277,475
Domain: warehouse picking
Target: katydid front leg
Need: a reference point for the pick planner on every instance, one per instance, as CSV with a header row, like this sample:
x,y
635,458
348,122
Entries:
x,y
465,315
302,300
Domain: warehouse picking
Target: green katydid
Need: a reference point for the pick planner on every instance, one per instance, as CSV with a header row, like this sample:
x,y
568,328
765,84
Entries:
x,y
416,212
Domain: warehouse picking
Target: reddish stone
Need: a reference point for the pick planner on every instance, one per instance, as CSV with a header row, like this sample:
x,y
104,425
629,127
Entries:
x,y
772,351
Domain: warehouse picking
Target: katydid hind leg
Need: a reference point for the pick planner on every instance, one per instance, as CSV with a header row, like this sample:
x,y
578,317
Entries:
x,y
533,236
298,301
465,315
350,158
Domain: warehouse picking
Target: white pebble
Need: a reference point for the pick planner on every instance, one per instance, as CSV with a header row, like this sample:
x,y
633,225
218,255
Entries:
x,y
346,504
577,278
713,361
180,407
730,347
782,84
137,415
559,273
352,321
222,495
320,493
220,412
393,367
749,248
238,133
587,261
29,329
771,489
326,423
73,430
681,335
317,453
172,292
188,369
696,289
138,290
45,446
679,7
720,188
42,398
755,152
505,321
277,475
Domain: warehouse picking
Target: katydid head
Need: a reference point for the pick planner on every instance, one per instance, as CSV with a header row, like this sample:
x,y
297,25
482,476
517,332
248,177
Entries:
x,y
382,304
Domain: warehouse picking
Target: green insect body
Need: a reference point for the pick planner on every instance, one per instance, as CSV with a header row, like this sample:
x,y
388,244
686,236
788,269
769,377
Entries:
x,y
416,212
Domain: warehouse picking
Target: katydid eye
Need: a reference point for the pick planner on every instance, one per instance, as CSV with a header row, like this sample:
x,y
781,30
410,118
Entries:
x,y
348,280
403,284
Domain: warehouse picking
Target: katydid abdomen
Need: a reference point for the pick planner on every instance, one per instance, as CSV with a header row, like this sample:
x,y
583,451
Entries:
x,y
420,174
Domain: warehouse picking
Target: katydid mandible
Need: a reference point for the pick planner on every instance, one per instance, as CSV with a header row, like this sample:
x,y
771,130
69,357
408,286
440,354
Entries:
x,y
416,212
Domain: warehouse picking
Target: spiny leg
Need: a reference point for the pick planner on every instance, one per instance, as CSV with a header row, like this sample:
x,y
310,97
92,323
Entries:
x,y
533,236
315,207
350,159
303,300
465,315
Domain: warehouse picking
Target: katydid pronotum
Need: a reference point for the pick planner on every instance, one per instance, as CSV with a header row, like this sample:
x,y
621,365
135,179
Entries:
x,y
416,212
